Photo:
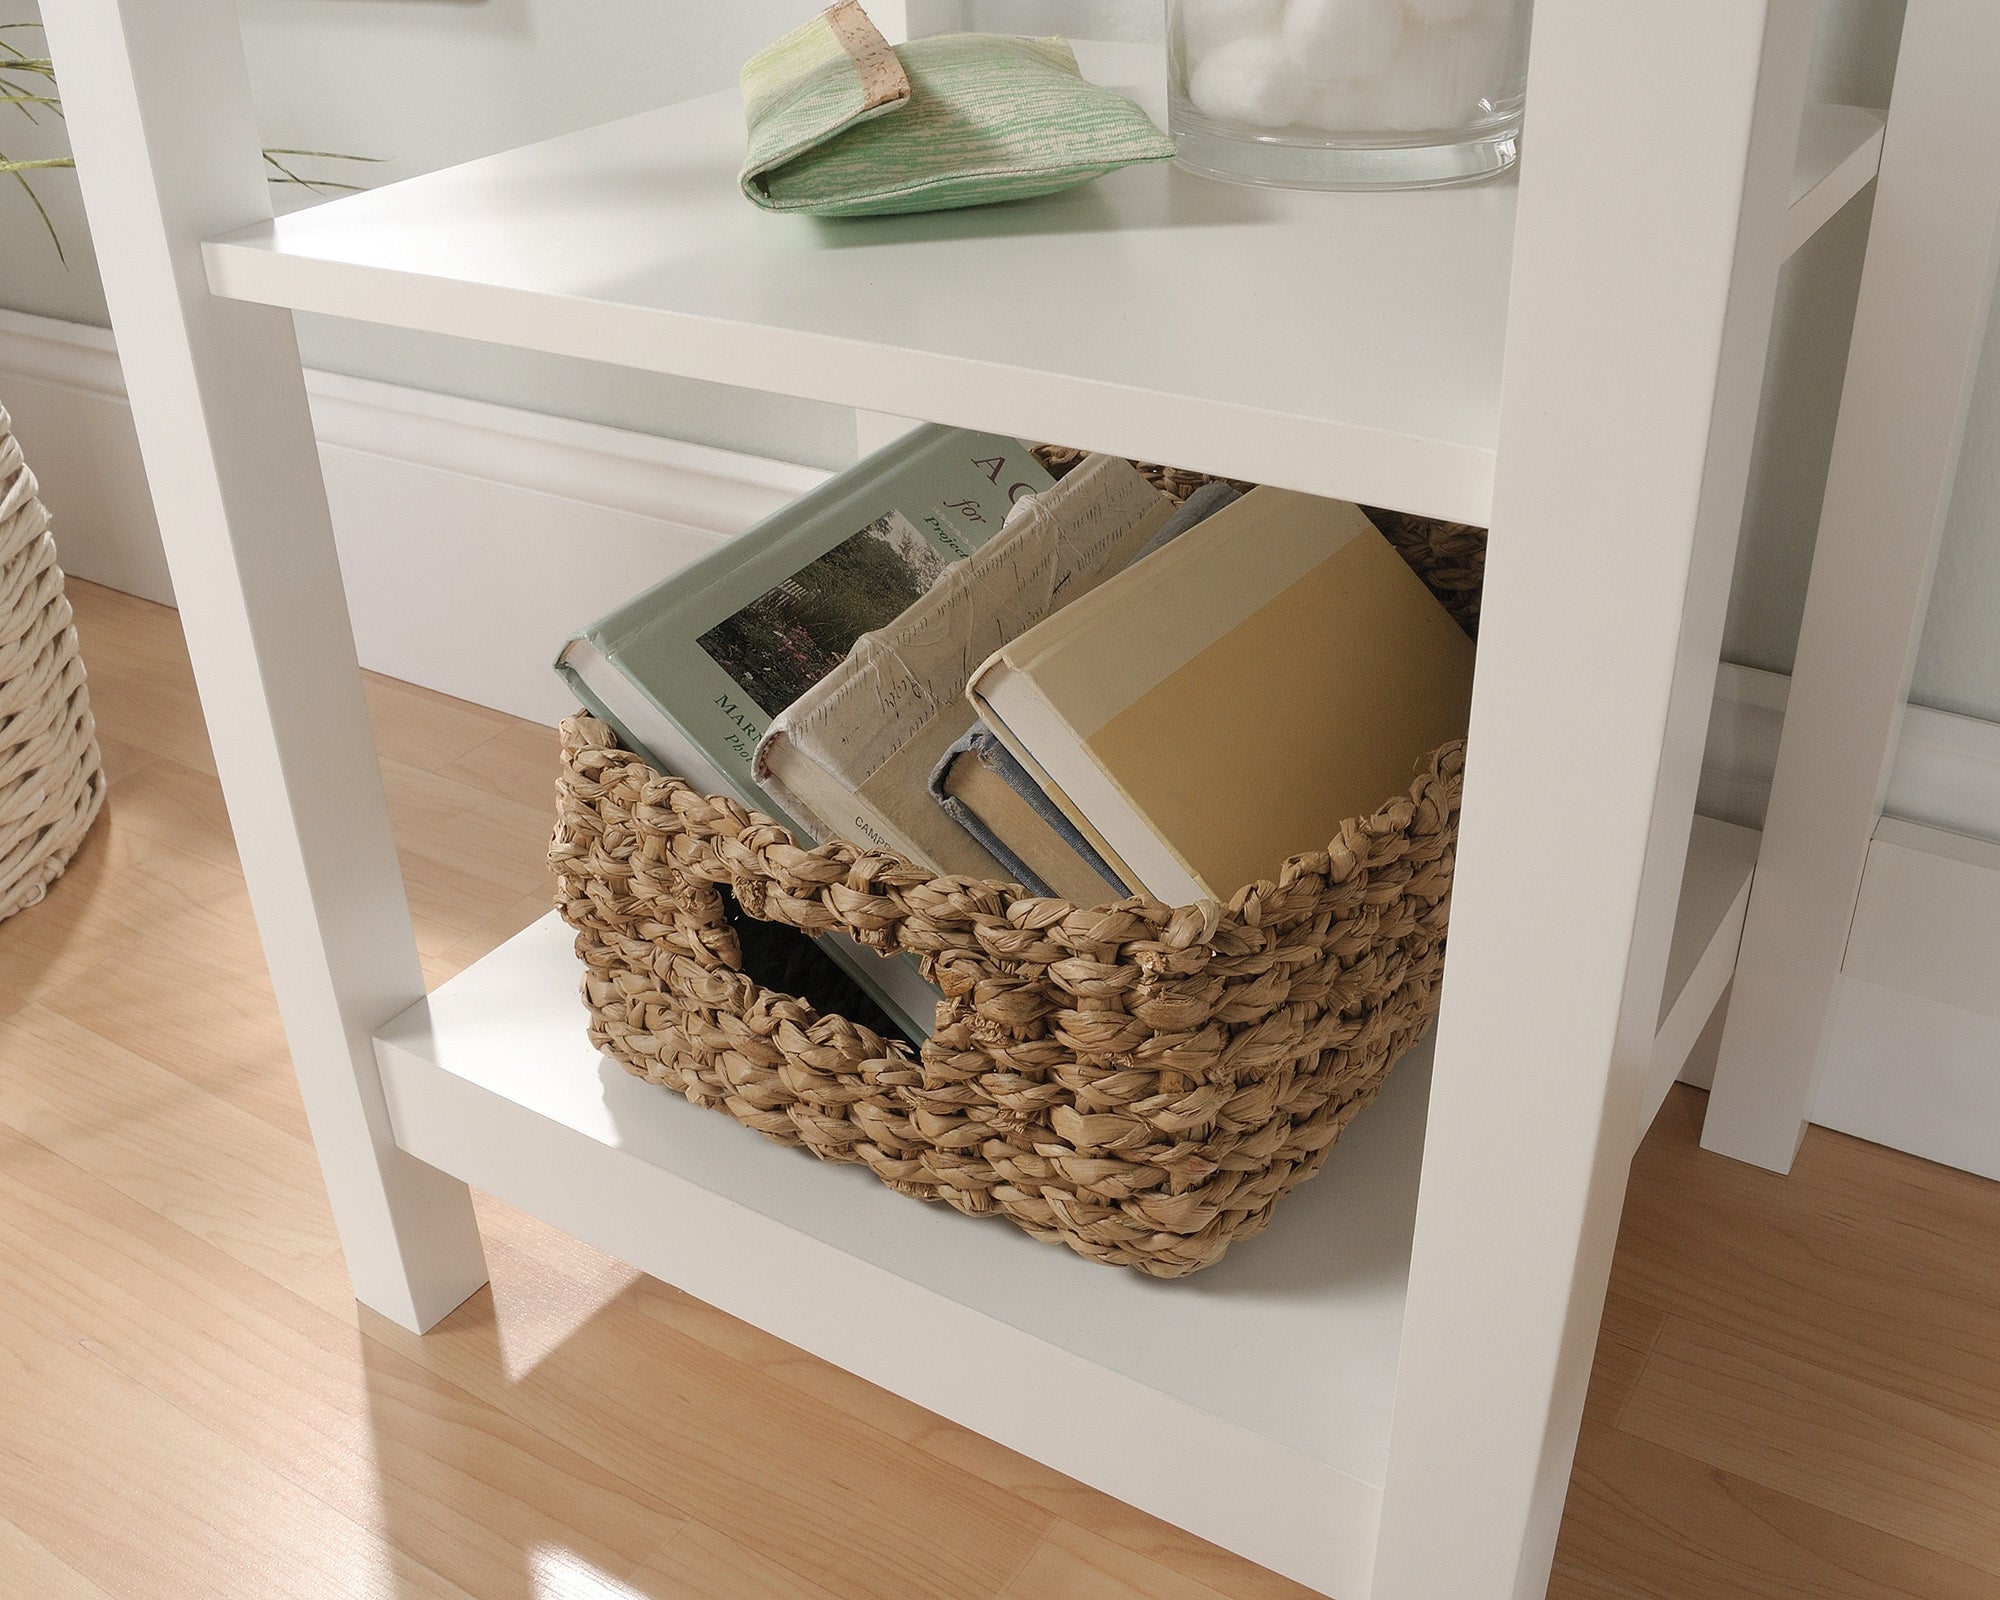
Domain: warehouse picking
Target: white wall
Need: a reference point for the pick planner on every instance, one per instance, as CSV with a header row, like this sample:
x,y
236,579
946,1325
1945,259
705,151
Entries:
x,y
428,82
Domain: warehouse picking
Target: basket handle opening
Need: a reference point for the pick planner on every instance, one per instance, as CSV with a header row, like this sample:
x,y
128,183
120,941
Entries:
x,y
788,961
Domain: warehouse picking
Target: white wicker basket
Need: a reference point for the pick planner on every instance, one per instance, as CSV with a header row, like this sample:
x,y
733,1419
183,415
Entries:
x,y
51,779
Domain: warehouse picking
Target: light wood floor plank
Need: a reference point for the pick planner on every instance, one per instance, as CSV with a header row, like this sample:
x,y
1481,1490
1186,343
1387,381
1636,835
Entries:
x,y
1074,1563
1624,1340
142,690
701,1564
129,638
487,842
1865,1453
225,1176
461,1485
176,804
427,805
518,763
511,1237
123,760
33,1571
1864,1261
784,1475
120,883
462,826
1647,1523
496,930
194,998
423,728
119,1485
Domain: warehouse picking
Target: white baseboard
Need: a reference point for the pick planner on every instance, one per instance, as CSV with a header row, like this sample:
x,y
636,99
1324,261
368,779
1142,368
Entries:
x,y
1928,918
1947,771
61,382
1913,1073
475,538
1912,1054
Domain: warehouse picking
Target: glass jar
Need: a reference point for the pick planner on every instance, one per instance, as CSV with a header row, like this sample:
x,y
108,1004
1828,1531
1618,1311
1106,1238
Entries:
x,y
1347,94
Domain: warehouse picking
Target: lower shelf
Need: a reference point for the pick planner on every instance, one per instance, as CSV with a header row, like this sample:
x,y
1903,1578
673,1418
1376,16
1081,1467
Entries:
x,y
1273,1371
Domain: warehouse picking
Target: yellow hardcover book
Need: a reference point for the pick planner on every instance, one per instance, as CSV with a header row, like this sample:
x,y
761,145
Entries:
x,y
1229,701
1000,808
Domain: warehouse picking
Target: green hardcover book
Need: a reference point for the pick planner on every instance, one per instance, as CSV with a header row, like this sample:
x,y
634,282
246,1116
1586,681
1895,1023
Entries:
x,y
692,671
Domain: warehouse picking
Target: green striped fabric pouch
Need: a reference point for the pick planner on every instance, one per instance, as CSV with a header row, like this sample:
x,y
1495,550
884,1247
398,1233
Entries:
x,y
842,124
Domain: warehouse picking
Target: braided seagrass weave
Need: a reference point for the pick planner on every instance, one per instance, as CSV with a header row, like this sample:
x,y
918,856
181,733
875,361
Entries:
x,y
1139,1082
51,781
1175,482
1449,556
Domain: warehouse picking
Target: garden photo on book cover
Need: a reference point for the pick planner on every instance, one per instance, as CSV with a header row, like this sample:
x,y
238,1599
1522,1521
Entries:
x,y
793,635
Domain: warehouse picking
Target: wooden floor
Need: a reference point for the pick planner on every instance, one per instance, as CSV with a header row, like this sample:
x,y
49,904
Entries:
x,y
1797,1393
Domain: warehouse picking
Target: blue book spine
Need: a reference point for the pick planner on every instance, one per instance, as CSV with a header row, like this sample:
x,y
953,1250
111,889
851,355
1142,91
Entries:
x,y
980,745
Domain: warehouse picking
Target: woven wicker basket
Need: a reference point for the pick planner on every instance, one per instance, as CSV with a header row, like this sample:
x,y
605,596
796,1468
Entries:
x,y
51,780
1141,1082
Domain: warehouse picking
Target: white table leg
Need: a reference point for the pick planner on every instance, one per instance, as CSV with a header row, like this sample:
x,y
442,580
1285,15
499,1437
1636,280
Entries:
x,y
1645,267
1925,294
167,153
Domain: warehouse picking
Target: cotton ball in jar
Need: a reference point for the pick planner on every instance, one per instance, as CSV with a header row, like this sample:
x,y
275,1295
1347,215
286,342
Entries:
x,y
1251,81
1343,38
1441,76
1347,105
1486,66
1206,25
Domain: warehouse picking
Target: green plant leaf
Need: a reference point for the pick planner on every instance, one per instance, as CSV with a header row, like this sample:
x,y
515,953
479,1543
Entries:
x,y
26,97
324,155
48,222
286,175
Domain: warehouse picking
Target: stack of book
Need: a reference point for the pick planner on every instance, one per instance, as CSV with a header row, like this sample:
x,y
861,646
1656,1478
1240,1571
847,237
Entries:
x,y
1077,686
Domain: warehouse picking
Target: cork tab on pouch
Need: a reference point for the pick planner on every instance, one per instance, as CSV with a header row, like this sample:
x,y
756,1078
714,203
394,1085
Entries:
x,y
883,81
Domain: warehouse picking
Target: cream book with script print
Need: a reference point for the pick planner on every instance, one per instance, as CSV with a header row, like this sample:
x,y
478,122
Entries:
x,y
852,757
1230,700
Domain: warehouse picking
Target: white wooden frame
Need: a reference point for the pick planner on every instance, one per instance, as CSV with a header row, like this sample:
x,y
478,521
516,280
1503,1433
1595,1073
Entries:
x,y
1926,292
1589,714
219,397
1643,270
